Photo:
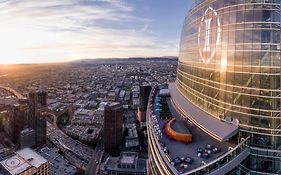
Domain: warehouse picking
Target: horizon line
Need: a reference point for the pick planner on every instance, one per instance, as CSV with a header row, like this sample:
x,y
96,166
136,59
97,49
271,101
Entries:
x,y
77,60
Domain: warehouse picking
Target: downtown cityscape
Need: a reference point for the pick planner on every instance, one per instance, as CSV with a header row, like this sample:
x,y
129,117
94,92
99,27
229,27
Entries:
x,y
207,101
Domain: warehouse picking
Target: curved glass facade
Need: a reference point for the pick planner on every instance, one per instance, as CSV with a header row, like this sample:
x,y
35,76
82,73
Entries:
x,y
229,64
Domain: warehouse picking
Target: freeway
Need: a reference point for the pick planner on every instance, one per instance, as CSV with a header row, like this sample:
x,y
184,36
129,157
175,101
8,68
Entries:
x,y
14,92
76,152
93,166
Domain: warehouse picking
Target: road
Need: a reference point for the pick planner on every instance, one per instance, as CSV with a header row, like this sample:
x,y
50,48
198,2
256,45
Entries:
x,y
76,152
14,92
92,168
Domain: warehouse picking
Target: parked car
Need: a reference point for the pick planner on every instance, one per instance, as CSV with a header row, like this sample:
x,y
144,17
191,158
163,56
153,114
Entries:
x,y
162,143
166,150
188,160
184,165
205,155
216,150
177,160
199,150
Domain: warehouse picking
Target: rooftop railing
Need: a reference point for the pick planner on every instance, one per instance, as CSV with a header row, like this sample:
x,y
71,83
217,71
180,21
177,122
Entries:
x,y
217,164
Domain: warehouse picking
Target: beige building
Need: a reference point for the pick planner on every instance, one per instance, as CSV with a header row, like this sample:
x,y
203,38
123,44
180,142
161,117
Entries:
x,y
25,162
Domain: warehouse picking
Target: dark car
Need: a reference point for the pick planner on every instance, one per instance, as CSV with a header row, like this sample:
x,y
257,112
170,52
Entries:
x,y
209,147
166,150
216,150
177,160
205,155
199,150
162,143
188,160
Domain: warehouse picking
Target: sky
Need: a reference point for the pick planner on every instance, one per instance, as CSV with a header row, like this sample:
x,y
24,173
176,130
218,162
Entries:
x,y
41,31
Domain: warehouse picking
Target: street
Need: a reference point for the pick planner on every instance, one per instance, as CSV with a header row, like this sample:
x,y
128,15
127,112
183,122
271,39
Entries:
x,y
92,167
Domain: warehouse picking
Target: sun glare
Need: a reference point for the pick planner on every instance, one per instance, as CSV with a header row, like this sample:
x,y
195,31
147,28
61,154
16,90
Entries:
x,y
11,39
17,42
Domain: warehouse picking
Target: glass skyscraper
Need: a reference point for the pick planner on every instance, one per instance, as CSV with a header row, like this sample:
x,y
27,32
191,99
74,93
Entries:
x,y
229,70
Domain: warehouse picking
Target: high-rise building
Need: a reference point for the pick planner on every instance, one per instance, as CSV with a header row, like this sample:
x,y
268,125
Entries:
x,y
227,92
27,138
42,98
144,95
113,127
38,98
24,162
37,119
16,122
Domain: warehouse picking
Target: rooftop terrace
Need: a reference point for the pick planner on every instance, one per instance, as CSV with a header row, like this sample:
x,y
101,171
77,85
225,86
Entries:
x,y
182,150
204,155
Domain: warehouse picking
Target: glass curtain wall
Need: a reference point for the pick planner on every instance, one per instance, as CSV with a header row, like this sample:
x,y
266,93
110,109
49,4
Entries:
x,y
229,65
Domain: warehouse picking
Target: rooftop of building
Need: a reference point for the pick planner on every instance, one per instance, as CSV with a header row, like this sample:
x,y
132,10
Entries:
x,y
113,104
27,131
82,111
182,150
126,158
23,160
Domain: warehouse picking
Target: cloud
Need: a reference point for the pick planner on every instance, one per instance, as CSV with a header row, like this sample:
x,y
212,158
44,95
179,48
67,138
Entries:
x,y
75,28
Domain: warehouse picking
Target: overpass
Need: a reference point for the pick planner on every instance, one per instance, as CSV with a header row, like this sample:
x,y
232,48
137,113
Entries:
x,y
14,92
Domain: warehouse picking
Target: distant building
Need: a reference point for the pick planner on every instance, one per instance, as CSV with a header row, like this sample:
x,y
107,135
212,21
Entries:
x,y
24,162
113,126
128,163
111,96
27,138
144,96
37,120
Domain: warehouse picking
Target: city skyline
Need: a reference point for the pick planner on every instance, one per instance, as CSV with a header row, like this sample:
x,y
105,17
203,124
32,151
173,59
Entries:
x,y
59,31
211,106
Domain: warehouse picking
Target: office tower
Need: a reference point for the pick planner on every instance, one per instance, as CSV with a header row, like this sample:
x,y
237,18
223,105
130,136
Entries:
x,y
24,162
113,127
38,114
144,95
42,98
38,98
16,122
4,116
228,88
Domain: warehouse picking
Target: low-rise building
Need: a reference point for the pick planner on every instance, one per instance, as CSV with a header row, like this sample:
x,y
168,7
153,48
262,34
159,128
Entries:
x,y
132,139
58,165
25,161
128,163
